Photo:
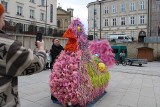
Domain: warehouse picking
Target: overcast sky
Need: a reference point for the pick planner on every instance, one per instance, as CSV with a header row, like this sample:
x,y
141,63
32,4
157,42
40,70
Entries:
x,y
79,6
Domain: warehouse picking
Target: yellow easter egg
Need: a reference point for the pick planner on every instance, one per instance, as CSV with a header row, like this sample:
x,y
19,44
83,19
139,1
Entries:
x,y
101,66
78,28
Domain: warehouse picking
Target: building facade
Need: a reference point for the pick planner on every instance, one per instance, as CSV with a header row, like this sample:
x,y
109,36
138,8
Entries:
x,y
64,18
29,16
130,17
154,17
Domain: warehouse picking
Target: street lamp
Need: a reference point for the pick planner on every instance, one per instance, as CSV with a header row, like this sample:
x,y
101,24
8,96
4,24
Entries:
x,y
100,18
94,20
46,16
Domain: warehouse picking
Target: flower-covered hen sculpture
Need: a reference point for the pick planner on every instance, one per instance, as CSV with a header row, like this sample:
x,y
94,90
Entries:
x,y
80,73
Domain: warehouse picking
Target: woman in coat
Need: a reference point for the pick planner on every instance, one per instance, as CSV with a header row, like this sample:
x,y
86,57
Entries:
x,y
15,60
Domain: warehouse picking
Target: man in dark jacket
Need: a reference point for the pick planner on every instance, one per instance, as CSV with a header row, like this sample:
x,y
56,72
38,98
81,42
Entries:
x,y
55,51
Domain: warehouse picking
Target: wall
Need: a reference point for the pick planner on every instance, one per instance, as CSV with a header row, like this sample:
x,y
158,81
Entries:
x,y
133,51
28,41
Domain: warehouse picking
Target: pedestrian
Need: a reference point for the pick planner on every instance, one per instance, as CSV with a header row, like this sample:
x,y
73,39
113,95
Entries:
x,y
121,56
16,61
55,51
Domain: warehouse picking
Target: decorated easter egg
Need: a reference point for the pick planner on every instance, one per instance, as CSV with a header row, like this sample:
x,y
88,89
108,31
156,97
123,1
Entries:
x,y
101,66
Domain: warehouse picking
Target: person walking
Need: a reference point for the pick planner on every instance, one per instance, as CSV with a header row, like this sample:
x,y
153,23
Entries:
x,y
121,56
15,60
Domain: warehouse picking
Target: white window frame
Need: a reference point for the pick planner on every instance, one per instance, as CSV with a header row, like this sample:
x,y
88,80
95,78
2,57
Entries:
x,y
106,22
123,21
42,15
19,10
142,5
113,9
114,22
133,6
132,20
32,13
106,11
123,7
43,2
142,19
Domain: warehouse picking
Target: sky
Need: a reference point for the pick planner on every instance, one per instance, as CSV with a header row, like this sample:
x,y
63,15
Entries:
x,y
80,9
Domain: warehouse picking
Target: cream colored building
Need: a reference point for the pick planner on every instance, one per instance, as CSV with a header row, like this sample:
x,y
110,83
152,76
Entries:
x,y
128,17
64,18
29,16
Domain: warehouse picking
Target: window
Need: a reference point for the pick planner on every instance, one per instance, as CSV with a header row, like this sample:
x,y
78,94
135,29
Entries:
x,y
106,11
113,9
95,12
123,8
51,13
42,2
132,20
141,19
25,27
142,5
123,21
32,1
114,22
132,6
5,4
42,16
19,10
32,14
58,23
106,22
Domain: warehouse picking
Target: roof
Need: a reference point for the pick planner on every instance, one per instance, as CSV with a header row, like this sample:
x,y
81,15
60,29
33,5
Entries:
x,y
66,12
145,48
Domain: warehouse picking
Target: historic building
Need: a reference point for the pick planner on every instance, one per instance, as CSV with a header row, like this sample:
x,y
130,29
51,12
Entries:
x,y
135,18
30,16
63,18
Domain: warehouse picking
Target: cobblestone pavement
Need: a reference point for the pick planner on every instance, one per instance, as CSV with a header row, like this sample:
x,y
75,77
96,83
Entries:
x,y
130,86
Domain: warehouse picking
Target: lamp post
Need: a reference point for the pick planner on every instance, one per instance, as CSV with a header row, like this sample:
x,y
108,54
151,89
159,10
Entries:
x,y
46,20
100,18
94,20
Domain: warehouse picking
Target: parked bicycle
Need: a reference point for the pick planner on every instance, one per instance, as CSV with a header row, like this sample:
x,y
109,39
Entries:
x,y
123,62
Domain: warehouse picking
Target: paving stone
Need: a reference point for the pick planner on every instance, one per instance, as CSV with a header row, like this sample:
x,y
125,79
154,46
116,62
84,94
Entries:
x,y
130,99
147,91
146,102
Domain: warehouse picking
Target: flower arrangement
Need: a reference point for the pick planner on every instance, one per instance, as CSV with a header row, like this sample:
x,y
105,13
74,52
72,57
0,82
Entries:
x,y
80,73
